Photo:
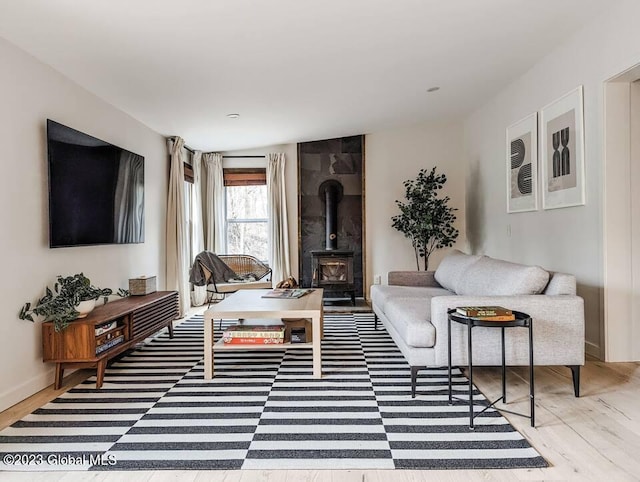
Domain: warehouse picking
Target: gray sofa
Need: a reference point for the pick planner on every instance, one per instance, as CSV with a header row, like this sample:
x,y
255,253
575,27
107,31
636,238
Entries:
x,y
413,308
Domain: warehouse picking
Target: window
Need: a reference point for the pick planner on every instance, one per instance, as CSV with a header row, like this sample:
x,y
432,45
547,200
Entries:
x,y
246,213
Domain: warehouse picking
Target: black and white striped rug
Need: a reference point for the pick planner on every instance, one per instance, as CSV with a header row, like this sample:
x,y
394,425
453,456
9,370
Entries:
x,y
264,410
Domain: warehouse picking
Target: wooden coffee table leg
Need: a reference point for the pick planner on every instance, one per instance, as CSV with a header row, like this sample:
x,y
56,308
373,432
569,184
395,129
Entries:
x,y
316,326
208,348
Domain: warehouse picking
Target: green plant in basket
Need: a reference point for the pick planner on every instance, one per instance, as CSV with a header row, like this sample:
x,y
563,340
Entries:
x,y
60,304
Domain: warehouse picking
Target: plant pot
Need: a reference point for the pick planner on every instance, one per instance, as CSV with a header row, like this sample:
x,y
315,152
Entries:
x,y
85,307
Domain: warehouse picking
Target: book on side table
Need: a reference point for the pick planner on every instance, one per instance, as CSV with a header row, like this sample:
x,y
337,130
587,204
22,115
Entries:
x,y
487,313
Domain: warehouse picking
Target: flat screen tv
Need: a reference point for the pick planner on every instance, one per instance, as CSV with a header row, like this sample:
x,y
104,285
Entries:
x,y
96,190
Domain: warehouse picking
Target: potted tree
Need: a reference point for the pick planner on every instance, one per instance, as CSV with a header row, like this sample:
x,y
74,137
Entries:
x,y
426,219
72,297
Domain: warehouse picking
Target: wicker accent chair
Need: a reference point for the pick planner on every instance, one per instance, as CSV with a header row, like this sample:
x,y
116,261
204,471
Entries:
x,y
242,265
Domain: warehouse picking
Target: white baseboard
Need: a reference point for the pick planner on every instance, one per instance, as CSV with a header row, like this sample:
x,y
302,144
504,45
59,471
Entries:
x,y
593,350
23,391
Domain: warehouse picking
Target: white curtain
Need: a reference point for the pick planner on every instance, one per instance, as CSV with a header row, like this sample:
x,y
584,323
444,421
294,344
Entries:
x,y
129,200
199,293
278,226
177,263
213,208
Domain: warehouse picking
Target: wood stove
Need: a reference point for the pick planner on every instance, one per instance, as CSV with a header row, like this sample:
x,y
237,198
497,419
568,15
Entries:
x,y
333,271
331,268
330,206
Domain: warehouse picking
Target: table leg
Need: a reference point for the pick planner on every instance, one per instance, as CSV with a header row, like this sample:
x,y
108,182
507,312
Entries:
x,y
102,365
531,388
504,375
470,360
208,348
316,326
59,376
449,357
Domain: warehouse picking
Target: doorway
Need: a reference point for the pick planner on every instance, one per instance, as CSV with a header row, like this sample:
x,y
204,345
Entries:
x,y
622,217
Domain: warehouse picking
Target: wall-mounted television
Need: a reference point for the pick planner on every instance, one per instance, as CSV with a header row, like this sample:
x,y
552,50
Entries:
x,y
96,190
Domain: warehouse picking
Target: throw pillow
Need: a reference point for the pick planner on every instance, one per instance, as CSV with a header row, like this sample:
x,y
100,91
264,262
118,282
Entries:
x,y
452,267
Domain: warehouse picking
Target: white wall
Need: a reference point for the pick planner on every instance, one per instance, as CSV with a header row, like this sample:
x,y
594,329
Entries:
x,y
31,92
393,157
570,239
291,186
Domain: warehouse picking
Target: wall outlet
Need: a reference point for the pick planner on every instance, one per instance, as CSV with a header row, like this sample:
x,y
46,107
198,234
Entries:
x,y
377,279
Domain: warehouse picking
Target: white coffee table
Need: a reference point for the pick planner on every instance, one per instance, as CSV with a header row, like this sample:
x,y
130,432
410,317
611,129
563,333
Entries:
x,y
249,304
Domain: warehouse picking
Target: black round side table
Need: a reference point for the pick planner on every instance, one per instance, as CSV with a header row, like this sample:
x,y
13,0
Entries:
x,y
522,320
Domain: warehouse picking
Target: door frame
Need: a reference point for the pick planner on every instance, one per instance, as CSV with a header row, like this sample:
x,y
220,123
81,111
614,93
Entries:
x,y
621,328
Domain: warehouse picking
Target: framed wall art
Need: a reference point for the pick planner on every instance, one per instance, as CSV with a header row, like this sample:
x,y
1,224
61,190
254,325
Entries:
x,y
522,165
562,125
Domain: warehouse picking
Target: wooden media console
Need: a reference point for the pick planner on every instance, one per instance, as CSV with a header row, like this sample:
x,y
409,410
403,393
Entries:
x,y
107,331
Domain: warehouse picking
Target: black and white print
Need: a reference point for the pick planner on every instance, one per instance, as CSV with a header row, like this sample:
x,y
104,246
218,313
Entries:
x,y
563,152
522,165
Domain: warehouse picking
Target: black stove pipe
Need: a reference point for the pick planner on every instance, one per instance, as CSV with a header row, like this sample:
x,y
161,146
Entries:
x,y
331,191
331,224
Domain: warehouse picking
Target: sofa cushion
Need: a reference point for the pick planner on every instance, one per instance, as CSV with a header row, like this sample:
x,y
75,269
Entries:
x,y
561,284
411,318
233,287
381,294
412,278
495,277
452,267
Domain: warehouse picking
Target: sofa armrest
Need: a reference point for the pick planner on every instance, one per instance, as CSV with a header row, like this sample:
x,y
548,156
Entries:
x,y
413,278
558,329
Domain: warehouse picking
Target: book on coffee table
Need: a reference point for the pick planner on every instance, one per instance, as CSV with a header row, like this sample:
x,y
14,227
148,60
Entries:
x,y
254,331
284,293
254,334
253,341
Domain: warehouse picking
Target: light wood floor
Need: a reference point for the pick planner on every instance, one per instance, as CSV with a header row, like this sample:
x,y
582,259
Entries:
x,y
595,437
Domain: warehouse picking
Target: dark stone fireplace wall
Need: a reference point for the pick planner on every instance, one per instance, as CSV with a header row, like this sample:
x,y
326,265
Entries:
x,y
343,160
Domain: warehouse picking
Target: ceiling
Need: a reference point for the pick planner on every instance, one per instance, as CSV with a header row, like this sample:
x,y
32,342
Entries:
x,y
294,70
